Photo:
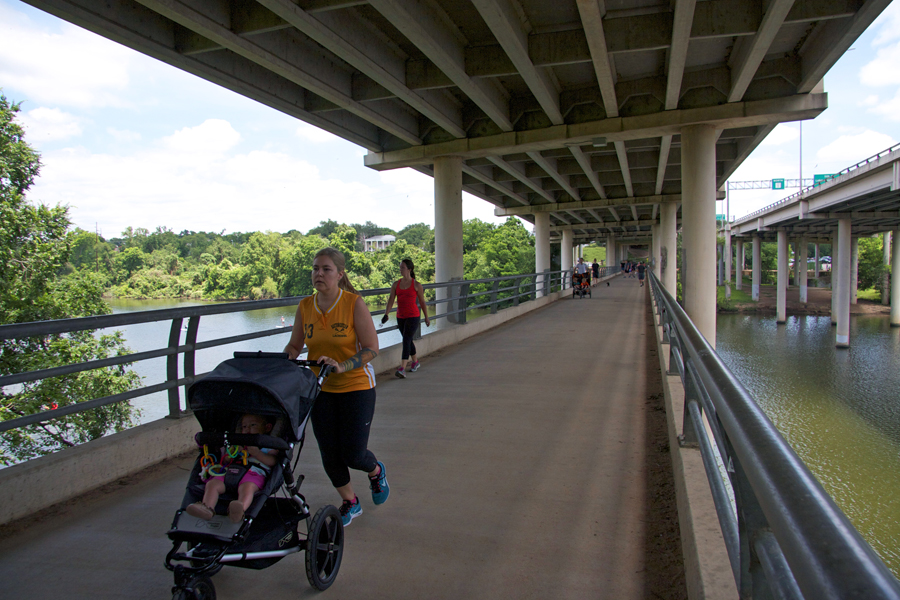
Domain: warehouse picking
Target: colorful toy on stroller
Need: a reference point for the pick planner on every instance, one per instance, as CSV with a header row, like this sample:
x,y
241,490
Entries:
x,y
581,285
283,392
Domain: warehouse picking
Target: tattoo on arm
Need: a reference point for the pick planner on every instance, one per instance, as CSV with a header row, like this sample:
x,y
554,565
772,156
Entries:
x,y
359,359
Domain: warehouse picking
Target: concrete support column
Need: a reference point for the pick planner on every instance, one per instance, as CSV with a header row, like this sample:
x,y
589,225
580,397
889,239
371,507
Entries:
x,y
448,232
756,268
842,293
565,251
781,285
854,269
802,270
698,209
541,248
727,262
886,279
835,267
739,270
611,258
668,241
895,279
816,267
720,265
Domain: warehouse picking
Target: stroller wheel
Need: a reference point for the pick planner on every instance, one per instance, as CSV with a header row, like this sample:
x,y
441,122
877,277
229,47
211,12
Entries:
x,y
201,589
324,547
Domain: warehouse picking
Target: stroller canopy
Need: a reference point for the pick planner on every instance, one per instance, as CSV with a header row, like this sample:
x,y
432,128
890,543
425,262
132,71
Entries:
x,y
267,386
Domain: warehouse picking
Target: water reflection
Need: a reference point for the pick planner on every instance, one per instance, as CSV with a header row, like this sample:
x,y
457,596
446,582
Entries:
x,y
837,408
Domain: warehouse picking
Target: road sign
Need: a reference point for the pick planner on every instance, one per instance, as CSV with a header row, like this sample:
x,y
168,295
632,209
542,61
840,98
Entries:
x,y
778,184
820,179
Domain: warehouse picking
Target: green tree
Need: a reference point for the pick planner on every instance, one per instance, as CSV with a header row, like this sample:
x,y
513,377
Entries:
x,y
418,234
871,262
34,245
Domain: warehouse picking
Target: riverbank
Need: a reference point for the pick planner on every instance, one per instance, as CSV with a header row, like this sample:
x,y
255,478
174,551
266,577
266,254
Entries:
x,y
818,304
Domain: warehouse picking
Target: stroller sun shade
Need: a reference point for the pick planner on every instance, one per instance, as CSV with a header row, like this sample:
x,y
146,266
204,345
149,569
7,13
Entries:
x,y
265,386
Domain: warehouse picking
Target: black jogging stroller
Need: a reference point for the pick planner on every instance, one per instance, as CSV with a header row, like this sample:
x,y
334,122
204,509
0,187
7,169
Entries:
x,y
283,391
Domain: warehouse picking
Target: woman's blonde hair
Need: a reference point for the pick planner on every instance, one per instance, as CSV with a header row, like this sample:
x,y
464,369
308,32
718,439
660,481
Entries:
x,y
340,263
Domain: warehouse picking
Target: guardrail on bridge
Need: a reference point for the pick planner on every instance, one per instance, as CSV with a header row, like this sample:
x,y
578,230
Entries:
x,y
786,537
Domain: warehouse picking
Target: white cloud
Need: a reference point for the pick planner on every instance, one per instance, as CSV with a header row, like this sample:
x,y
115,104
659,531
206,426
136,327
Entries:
x,y
74,68
782,134
884,69
849,149
871,100
313,134
123,135
889,109
48,124
197,179
888,23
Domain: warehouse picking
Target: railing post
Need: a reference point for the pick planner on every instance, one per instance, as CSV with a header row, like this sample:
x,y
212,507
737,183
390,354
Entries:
x,y
463,303
546,281
494,294
517,293
172,369
534,286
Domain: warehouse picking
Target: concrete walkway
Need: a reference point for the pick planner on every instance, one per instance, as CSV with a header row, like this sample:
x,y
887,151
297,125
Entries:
x,y
518,469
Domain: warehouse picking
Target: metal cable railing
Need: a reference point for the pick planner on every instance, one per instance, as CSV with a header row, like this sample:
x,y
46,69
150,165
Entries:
x,y
786,538
460,298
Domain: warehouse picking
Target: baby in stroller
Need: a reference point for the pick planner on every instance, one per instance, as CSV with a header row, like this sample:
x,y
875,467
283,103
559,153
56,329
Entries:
x,y
258,463
253,410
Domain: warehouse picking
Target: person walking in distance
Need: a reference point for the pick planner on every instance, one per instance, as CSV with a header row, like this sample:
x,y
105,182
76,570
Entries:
x,y
640,271
410,297
595,271
337,327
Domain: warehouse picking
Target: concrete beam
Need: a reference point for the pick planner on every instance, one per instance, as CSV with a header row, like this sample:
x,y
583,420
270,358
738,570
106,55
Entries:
x,y
549,165
749,53
592,20
623,164
444,45
725,116
282,53
677,56
520,175
586,204
488,180
352,40
501,17
141,29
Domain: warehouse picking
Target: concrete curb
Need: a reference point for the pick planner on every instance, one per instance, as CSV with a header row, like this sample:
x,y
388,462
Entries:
x,y
42,482
706,565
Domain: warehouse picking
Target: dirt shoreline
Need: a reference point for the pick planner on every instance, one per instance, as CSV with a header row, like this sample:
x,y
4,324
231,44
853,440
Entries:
x,y
819,303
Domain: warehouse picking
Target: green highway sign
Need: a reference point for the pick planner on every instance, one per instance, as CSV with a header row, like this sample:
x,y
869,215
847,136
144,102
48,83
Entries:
x,y
820,179
778,184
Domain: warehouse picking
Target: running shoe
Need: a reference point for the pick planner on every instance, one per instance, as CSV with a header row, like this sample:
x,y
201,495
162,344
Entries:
x,y
414,367
350,510
379,486
399,373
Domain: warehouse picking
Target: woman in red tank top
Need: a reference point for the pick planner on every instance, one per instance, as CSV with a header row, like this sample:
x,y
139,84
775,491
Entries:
x,y
410,297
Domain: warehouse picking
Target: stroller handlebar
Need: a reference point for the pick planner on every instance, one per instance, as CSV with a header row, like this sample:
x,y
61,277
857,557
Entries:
x,y
323,373
241,439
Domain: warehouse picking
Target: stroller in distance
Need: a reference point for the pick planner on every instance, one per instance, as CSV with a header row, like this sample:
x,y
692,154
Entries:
x,y
283,391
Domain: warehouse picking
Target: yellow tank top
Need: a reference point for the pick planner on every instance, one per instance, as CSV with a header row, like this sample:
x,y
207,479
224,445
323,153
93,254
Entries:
x,y
330,331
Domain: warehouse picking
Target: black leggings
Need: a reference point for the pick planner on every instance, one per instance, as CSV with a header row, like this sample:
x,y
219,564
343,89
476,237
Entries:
x,y
408,329
341,422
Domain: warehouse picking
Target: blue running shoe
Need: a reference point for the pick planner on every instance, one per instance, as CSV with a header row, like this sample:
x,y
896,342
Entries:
x,y
379,486
350,510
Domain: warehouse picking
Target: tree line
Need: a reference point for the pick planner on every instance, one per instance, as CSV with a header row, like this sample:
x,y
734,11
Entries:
x,y
258,265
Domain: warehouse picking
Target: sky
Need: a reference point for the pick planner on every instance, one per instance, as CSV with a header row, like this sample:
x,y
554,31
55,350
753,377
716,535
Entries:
x,y
126,140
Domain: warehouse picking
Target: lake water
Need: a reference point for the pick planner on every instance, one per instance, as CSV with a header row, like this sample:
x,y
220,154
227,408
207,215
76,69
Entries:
x,y
151,336
839,409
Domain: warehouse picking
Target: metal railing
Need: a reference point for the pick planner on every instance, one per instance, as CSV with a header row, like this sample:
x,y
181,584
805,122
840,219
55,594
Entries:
x,y
786,538
461,296
832,177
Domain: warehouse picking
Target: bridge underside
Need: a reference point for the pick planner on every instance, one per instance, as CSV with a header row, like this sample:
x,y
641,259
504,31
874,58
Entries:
x,y
575,107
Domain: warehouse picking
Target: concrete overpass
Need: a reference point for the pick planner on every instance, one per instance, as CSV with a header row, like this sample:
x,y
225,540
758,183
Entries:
x,y
603,119
862,200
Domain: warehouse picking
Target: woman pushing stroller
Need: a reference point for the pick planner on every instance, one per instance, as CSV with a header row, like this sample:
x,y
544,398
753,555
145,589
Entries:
x,y
337,327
